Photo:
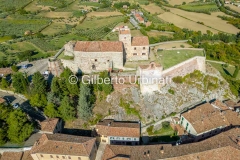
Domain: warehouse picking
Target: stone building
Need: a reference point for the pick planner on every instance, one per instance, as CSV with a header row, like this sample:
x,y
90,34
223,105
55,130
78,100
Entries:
x,y
51,126
96,56
114,132
63,146
207,120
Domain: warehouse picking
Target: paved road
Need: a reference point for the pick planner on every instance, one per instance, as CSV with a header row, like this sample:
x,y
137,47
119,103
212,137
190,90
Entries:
x,y
156,44
39,65
24,105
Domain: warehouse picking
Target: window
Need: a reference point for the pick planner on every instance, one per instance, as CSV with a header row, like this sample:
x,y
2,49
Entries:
x,y
125,37
79,158
135,48
144,48
51,156
134,54
69,157
57,156
63,157
143,54
41,155
203,135
95,60
187,124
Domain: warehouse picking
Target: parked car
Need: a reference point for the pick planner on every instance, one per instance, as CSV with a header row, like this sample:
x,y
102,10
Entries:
x,y
16,105
24,66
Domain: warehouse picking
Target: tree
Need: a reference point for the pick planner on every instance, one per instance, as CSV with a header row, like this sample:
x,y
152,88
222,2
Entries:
x,y
106,87
4,83
14,68
106,29
39,84
55,87
235,74
84,102
51,111
38,100
66,110
20,82
19,127
53,98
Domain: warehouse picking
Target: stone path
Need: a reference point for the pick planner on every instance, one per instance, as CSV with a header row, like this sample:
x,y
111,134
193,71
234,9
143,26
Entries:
x,y
100,151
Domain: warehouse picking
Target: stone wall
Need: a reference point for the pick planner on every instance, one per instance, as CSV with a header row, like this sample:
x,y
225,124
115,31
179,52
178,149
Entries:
x,y
186,67
137,53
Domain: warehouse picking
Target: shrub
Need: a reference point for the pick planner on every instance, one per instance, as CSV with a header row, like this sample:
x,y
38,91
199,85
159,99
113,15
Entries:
x,y
177,79
14,68
165,124
171,91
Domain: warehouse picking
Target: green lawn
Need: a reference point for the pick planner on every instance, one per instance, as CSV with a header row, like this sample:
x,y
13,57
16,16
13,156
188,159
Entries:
x,y
228,71
5,38
54,28
169,58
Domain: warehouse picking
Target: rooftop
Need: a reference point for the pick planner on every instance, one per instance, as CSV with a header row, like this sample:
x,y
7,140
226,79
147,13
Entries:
x,y
99,46
220,105
225,141
5,71
205,117
140,41
64,144
49,125
115,128
124,32
12,156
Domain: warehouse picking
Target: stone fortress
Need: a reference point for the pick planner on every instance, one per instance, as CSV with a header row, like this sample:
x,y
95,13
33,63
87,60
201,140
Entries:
x,y
96,56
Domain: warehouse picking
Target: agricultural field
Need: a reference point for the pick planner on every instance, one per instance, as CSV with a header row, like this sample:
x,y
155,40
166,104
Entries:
x,y
104,14
155,33
141,2
54,28
211,22
33,7
208,8
169,58
54,3
235,8
178,2
19,26
55,14
227,70
136,33
153,8
184,23
5,38
11,4
43,45
93,4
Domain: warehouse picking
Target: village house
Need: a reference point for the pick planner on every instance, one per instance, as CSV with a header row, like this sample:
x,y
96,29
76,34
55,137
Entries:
x,y
233,105
97,56
207,120
120,133
51,126
5,72
223,146
62,146
139,18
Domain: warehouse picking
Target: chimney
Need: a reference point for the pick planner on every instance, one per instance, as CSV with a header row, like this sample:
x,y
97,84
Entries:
x,y
148,153
144,154
161,150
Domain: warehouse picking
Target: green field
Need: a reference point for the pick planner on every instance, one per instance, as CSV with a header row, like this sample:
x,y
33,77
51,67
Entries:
x,y
94,4
227,70
11,4
54,28
5,38
169,58
54,3
200,8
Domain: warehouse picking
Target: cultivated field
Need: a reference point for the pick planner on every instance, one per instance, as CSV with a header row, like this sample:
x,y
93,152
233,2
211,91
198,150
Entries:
x,y
136,33
179,2
152,8
169,58
53,29
104,14
233,7
55,14
212,21
154,33
184,23
32,7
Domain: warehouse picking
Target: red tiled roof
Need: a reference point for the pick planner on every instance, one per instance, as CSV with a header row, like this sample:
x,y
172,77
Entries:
x,y
121,129
124,31
12,156
99,46
5,71
140,41
221,142
64,144
49,125
2,100
219,104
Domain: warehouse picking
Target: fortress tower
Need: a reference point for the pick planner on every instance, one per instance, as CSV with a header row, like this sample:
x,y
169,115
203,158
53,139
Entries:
x,y
125,37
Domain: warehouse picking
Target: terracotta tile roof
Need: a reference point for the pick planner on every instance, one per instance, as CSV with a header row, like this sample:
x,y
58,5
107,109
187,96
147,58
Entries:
x,y
139,17
124,32
2,100
205,117
12,156
99,46
27,155
220,105
121,129
64,144
5,71
140,41
223,141
49,125
230,103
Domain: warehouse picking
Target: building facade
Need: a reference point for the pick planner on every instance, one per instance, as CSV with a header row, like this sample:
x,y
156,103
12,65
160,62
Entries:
x,y
121,133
